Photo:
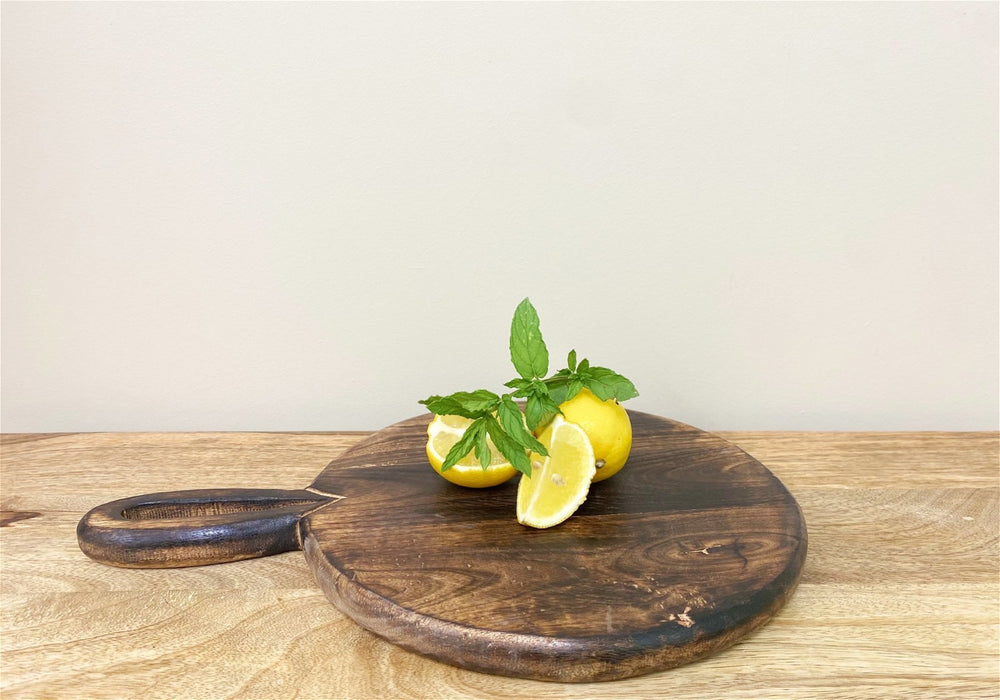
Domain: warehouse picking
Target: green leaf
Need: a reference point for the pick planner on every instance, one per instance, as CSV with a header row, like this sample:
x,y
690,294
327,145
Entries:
x,y
464,445
608,384
483,452
534,410
550,405
469,404
573,388
515,453
583,366
571,361
558,388
512,421
540,406
527,349
519,384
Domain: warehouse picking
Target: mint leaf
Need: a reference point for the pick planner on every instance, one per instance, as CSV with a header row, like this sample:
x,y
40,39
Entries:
x,y
571,361
534,411
510,449
558,388
540,406
465,444
518,384
483,452
563,387
608,384
527,349
512,421
468,404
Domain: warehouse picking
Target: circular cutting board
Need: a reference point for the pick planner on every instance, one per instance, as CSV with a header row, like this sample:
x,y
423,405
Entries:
x,y
690,547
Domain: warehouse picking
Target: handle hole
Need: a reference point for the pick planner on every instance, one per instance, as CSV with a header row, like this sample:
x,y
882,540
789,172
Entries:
x,y
165,511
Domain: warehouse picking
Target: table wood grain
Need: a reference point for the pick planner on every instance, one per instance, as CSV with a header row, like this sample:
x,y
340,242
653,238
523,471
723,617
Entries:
x,y
898,598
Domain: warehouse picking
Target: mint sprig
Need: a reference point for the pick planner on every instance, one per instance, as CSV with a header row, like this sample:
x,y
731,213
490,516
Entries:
x,y
528,353
468,404
499,417
603,382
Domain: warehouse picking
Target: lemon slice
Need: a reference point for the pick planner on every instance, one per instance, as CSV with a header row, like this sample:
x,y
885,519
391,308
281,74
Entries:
x,y
558,483
442,433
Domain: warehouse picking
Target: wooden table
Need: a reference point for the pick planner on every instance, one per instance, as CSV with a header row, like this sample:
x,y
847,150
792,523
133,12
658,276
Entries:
x,y
899,596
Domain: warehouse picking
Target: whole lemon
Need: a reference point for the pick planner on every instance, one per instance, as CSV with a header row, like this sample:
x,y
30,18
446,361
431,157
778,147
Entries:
x,y
607,425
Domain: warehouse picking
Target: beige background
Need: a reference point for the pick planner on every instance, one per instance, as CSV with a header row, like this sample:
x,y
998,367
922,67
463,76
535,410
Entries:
x,y
308,216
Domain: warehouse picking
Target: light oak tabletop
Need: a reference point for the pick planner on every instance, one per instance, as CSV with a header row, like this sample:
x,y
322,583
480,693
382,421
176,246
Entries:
x,y
899,597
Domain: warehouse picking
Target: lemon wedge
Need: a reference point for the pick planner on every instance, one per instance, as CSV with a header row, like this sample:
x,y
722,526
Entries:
x,y
559,483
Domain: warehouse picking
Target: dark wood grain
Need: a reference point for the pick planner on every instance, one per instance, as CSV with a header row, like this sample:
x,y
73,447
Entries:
x,y
692,546
195,527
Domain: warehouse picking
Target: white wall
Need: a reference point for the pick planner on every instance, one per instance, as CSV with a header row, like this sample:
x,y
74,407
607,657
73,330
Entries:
x,y
308,216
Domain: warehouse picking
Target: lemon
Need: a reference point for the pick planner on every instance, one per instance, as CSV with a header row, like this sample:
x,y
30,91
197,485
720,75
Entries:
x,y
559,483
445,431
607,426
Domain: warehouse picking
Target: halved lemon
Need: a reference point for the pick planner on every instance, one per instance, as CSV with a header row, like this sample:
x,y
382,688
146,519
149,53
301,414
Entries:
x,y
442,433
559,483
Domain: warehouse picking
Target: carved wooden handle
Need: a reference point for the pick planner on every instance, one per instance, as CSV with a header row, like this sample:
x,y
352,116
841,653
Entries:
x,y
196,527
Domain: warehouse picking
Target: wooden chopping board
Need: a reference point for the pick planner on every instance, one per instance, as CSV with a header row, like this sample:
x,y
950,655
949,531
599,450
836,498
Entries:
x,y
693,545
